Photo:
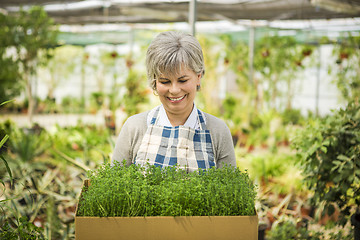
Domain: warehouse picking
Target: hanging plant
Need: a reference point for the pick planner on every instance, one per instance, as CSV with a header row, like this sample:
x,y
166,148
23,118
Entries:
x,y
346,74
344,55
114,54
265,53
306,51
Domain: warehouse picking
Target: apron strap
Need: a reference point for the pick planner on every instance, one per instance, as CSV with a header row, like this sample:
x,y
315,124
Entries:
x,y
154,117
201,120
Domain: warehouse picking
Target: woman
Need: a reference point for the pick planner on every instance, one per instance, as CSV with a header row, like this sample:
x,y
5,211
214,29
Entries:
x,y
176,132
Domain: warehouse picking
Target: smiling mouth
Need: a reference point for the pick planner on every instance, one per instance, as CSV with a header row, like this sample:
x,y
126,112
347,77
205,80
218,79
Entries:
x,y
176,99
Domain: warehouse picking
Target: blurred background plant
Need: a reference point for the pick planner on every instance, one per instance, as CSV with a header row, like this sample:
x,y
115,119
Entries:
x,y
346,71
47,170
29,35
330,159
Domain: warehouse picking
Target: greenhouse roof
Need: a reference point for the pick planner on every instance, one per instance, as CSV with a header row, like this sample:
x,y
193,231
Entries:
x,y
161,11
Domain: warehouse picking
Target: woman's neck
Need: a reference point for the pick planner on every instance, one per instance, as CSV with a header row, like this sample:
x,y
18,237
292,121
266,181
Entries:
x,y
177,119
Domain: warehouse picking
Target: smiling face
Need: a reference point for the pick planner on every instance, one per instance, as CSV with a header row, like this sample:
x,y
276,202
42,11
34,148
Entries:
x,y
177,93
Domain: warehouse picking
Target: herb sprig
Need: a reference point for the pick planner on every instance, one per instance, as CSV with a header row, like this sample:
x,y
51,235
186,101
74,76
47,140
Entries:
x,y
153,191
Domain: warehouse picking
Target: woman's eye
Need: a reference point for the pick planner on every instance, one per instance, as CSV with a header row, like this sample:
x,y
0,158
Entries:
x,y
164,82
183,80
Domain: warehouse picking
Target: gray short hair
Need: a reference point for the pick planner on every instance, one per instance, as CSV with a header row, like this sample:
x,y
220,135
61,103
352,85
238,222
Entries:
x,y
169,52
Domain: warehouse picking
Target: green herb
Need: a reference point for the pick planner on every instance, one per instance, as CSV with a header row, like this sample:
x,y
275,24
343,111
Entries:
x,y
153,191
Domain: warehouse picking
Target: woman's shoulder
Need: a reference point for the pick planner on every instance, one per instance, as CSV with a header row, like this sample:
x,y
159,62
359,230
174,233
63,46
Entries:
x,y
215,123
139,116
137,120
211,119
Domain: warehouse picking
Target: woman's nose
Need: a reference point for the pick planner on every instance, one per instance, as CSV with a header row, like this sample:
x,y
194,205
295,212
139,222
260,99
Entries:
x,y
174,88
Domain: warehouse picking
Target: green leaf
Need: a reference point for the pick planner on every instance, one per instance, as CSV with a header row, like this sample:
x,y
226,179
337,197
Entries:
x,y
326,142
324,149
334,168
343,157
7,167
5,138
336,162
3,103
8,199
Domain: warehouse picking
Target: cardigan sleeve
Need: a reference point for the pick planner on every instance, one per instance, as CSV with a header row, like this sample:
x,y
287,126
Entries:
x,y
123,148
129,139
222,141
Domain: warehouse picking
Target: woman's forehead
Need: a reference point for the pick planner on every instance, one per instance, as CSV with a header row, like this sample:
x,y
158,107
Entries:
x,y
176,73
172,71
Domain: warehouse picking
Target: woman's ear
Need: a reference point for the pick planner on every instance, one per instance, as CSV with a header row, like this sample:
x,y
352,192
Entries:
x,y
199,76
198,85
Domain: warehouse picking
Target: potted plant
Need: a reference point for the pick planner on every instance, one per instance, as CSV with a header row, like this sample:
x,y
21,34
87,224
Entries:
x,y
166,203
330,157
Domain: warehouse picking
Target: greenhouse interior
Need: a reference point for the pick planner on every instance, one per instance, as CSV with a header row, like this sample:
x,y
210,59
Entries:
x,y
283,75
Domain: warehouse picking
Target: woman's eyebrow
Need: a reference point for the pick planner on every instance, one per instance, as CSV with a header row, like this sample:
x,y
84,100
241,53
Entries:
x,y
167,79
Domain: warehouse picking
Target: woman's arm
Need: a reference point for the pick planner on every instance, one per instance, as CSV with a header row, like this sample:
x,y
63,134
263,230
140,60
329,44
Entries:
x,y
123,148
129,139
222,141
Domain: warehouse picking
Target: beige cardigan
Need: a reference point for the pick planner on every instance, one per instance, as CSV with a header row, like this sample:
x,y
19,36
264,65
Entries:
x,y
133,131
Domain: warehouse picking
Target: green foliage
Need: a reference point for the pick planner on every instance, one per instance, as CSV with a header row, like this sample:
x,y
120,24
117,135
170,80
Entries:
x,y
85,142
270,165
346,71
34,31
25,38
60,67
236,113
72,104
41,188
207,97
236,57
292,116
278,59
4,137
24,230
330,156
53,221
288,230
3,140
291,228
268,129
27,144
9,71
9,74
134,191
277,172
136,93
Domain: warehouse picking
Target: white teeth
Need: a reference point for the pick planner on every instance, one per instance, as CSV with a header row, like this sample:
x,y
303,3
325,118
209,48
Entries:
x,y
176,99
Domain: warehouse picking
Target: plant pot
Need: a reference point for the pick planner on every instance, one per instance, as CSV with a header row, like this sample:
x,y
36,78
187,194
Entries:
x,y
355,221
